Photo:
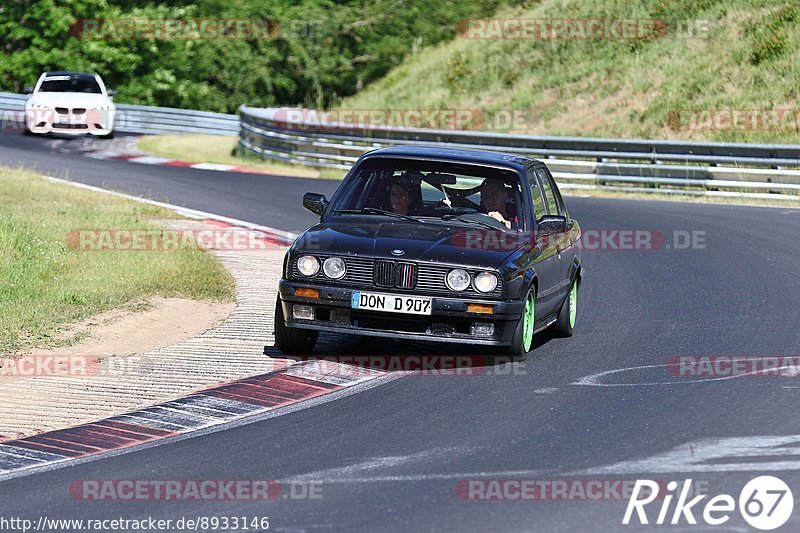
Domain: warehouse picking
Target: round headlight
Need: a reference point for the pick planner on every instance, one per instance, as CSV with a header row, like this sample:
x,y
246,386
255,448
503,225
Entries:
x,y
485,282
308,265
333,267
458,279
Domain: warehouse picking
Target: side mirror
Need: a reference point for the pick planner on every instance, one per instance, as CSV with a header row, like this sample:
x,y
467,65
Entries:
x,y
315,202
550,224
27,90
112,92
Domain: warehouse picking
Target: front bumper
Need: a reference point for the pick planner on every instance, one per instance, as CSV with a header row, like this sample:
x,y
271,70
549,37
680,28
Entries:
x,y
91,122
449,320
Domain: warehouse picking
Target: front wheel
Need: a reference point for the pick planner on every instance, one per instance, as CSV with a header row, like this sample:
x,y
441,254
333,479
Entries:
x,y
565,325
523,335
292,341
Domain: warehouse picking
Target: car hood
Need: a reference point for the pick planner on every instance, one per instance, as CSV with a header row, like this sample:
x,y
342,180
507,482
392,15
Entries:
x,y
434,242
87,100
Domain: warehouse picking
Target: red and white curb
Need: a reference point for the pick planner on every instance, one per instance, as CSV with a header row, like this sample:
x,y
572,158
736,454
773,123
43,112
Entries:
x,y
155,160
216,406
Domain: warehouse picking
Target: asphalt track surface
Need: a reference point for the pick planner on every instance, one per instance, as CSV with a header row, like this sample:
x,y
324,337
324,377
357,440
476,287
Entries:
x,y
389,457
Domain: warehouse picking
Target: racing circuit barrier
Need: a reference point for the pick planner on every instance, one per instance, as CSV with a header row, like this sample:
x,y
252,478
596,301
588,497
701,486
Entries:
x,y
143,119
763,171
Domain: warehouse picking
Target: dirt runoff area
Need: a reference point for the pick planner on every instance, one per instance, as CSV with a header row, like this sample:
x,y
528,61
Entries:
x,y
142,326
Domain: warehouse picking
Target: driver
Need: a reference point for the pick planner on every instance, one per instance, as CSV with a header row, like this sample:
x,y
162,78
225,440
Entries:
x,y
400,198
493,201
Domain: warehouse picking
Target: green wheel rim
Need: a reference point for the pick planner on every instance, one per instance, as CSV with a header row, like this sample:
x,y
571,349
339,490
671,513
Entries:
x,y
573,304
527,323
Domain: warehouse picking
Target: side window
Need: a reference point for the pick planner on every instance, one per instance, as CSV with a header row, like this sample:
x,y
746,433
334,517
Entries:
x,y
549,195
536,195
562,208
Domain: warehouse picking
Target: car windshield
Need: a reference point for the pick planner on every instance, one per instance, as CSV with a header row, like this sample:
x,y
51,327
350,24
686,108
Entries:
x,y
430,189
70,84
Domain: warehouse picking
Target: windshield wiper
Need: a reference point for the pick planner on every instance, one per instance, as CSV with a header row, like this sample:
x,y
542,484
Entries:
x,y
472,221
375,211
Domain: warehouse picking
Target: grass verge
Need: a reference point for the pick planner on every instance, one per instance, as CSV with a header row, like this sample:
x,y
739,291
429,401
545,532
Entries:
x,y
46,285
198,148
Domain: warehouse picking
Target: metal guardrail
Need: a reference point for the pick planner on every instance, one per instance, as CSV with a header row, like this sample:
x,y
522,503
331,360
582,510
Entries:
x,y
669,167
141,119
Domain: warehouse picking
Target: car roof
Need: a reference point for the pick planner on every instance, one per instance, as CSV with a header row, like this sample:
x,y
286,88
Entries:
x,y
454,154
68,73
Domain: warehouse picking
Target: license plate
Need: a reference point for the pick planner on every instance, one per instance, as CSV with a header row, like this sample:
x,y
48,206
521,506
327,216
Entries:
x,y
391,303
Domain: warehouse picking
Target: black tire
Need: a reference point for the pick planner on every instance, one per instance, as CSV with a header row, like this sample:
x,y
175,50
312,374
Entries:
x,y
109,135
520,346
565,324
292,341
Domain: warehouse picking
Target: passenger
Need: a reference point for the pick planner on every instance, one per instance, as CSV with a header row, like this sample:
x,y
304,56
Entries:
x,y
494,201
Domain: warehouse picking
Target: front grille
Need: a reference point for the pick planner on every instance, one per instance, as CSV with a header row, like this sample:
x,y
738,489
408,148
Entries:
x,y
78,110
362,273
395,275
405,276
383,274
62,111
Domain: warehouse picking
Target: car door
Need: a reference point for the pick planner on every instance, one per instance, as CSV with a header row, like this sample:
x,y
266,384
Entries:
x,y
546,262
564,247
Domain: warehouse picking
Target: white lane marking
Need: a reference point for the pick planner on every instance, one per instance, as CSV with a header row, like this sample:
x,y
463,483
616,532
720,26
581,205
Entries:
x,y
29,454
592,380
425,477
546,390
694,457
213,166
105,154
150,160
381,464
185,211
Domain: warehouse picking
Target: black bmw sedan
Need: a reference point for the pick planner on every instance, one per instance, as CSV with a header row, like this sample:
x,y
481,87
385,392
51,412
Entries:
x,y
434,244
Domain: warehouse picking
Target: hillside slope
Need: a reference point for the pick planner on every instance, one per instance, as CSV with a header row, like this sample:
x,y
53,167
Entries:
x,y
705,56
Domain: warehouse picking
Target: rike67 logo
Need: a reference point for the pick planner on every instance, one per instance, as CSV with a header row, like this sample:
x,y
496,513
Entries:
x,y
765,503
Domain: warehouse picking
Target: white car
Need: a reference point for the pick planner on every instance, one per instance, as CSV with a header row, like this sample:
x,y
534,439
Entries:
x,y
70,102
